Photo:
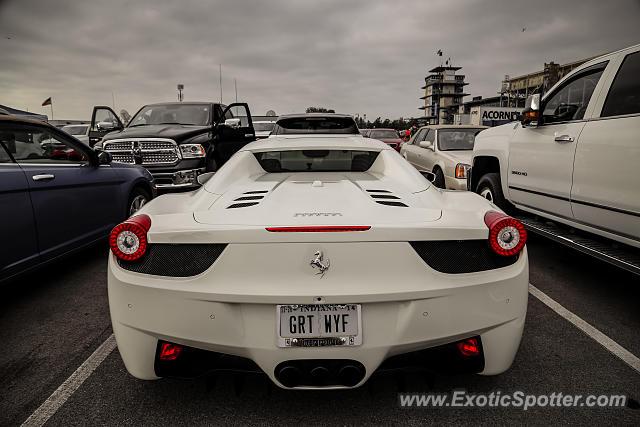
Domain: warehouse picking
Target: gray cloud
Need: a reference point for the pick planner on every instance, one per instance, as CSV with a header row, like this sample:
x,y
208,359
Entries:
x,y
356,56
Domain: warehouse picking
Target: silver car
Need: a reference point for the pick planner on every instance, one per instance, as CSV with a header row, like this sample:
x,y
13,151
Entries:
x,y
445,150
81,132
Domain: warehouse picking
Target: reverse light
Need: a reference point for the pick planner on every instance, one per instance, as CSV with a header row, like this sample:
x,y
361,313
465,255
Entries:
x,y
169,351
507,236
190,151
461,170
469,347
128,240
317,229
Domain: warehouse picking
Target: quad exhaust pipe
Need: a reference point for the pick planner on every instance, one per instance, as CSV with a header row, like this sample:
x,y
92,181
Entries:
x,y
320,373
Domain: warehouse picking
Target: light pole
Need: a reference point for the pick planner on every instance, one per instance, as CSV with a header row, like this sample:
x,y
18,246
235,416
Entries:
x,y
180,89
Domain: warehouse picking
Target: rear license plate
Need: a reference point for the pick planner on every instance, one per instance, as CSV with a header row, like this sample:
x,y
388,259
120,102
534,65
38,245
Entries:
x,y
319,325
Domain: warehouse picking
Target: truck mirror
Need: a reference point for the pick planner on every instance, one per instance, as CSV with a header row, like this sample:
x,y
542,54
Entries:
x,y
531,112
106,126
232,123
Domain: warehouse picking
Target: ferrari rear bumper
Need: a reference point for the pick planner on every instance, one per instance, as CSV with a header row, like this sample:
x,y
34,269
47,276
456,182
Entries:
x,y
406,307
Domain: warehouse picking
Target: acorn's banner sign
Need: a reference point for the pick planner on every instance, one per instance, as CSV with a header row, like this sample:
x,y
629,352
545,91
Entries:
x,y
494,116
510,114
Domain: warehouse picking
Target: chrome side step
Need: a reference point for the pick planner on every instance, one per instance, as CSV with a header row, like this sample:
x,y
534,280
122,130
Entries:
x,y
618,254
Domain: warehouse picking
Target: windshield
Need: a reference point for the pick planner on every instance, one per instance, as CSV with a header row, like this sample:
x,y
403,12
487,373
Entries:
x,y
456,139
316,160
384,134
75,130
263,127
323,125
183,114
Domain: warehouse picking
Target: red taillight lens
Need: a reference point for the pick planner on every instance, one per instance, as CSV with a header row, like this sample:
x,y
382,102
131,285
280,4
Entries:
x,y
469,347
507,236
317,229
128,240
169,351
461,170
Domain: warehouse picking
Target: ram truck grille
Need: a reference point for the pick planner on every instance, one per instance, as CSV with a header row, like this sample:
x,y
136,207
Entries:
x,y
151,152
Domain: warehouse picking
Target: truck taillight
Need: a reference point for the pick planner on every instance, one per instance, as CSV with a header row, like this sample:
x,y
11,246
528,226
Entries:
x,y
507,236
128,240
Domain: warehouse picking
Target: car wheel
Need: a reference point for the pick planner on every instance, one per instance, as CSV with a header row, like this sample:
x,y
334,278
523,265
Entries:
x,y
490,188
439,179
139,197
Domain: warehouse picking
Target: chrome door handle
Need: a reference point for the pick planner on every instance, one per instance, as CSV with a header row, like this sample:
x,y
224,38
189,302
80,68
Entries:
x,y
563,138
43,177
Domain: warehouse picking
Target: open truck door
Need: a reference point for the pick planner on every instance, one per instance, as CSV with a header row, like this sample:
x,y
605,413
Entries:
x,y
234,130
103,121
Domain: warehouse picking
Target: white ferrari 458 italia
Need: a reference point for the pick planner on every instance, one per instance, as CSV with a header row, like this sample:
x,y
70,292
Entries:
x,y
317,260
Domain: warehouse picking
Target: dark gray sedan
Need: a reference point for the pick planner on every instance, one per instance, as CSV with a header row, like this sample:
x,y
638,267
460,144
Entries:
x,y
57,195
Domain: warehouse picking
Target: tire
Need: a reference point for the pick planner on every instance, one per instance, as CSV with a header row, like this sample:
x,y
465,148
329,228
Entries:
x,y
138,198
490,188
439,179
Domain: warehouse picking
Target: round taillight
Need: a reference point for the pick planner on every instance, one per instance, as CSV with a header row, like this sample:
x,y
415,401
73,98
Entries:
x,y
128,240
507,236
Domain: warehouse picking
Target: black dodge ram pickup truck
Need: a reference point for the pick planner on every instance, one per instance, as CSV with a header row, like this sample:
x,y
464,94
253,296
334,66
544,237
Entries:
x,y
175,141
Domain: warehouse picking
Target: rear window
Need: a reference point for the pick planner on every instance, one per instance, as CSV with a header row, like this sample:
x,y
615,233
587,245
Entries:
x,y
263,127
75,130
316,160
321,125
383,134
457,139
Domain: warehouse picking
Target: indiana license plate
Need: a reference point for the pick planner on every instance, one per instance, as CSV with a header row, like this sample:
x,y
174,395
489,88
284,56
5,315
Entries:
x,y
319,325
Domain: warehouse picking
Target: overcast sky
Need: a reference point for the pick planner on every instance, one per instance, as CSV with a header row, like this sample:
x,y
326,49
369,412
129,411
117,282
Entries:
x,y
358,57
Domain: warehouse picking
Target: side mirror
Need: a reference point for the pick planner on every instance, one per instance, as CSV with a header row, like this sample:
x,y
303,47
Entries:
x,y
531,112
104,157
204,177
429,175
106,126
232,123
426,144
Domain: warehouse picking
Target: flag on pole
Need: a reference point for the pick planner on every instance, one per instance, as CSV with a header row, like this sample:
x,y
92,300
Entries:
x,y
47,102
439,52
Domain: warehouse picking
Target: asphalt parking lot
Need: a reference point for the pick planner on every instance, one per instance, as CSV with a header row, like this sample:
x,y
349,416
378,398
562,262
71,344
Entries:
x,y
51,321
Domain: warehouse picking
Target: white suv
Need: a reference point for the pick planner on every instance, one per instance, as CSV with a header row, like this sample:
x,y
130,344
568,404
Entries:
x,y
574,158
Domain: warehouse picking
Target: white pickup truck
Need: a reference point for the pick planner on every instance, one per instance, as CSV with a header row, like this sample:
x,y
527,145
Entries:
x,y
574,159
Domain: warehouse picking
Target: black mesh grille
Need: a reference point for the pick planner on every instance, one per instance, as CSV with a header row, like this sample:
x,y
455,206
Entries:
x,y
255,192
180,260
461,256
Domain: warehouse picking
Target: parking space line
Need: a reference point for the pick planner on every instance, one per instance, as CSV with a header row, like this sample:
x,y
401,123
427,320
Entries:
x,y
616,349
71,384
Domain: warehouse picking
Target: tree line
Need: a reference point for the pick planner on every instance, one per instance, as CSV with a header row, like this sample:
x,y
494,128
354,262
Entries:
x,y
397,124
